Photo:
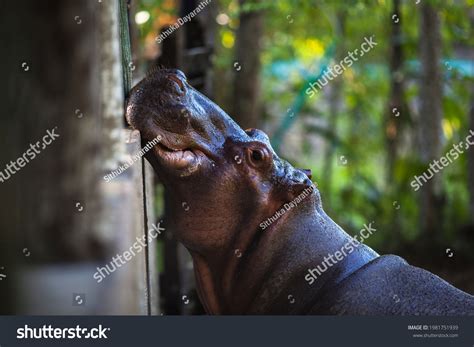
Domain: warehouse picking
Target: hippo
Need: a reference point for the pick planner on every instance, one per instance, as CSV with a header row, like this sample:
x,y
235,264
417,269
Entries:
x,y
260,240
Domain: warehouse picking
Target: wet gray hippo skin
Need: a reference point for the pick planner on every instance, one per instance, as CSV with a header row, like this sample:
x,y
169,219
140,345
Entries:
x,y
222,182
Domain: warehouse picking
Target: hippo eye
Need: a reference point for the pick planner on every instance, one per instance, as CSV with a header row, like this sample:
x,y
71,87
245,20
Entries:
x,y
257,155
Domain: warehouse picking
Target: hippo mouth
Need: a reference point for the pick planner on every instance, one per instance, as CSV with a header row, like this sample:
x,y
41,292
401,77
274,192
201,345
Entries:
x,y
190,126
179,157
186,159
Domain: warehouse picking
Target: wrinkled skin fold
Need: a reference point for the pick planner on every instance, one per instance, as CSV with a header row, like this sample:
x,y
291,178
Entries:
x,y
223,183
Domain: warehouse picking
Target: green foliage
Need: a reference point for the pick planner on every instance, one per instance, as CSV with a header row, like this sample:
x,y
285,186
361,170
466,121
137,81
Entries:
x,y
298,35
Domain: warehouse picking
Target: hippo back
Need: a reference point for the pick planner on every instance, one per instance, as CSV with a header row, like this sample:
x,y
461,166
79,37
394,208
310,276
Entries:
x,y
388,285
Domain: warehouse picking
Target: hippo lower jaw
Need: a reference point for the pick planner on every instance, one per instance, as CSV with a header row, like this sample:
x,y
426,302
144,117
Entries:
x,y
175,153
185,160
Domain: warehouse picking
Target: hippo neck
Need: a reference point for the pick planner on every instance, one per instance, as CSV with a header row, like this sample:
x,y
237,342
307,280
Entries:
x,y
269,277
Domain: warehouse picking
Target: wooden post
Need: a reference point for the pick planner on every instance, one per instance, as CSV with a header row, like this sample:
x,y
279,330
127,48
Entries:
x,y
61,210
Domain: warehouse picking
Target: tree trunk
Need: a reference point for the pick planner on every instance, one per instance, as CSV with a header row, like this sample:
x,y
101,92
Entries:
x,y
335,102
397,109
247,65
431,135
470,176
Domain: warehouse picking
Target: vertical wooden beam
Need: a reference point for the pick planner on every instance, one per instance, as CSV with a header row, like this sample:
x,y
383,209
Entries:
x,y
59,207
125,45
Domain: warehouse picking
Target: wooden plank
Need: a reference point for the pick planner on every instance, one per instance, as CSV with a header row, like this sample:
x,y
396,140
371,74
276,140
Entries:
x,y
153,280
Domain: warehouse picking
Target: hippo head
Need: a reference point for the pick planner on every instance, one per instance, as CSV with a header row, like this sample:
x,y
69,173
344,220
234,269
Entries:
x,y
218,178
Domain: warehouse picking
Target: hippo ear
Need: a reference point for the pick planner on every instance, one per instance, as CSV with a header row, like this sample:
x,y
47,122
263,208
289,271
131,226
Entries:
x,y
258,134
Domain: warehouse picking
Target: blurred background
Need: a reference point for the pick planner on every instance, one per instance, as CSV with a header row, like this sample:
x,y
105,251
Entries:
x,y
370,130
365,135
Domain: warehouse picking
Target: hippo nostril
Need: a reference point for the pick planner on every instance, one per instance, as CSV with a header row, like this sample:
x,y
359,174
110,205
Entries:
x,y
179,82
